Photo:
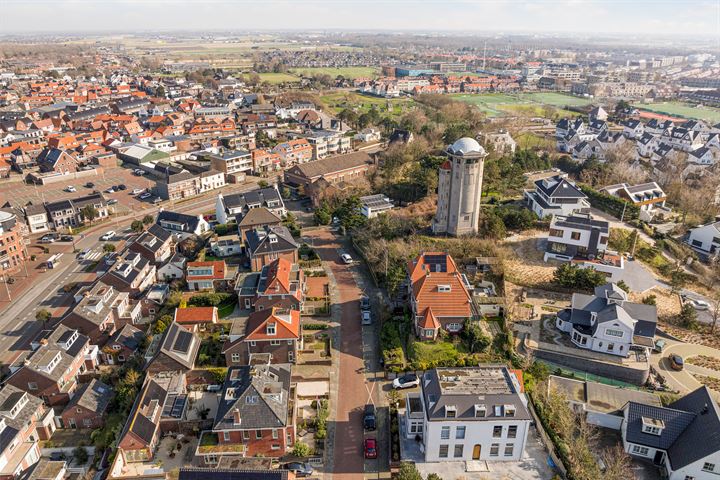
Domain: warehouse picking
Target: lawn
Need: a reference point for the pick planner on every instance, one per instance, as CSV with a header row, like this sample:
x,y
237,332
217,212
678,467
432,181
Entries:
x,y
276,78
440,352
347,72
556,99
501,104
338,101
680,109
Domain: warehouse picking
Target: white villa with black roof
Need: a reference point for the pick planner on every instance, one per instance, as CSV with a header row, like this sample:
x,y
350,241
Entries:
x,y
607,322
227,206
556,196
682,439
465,414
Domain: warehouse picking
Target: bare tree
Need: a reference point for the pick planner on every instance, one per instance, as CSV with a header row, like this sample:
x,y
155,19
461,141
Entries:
x,y
617,464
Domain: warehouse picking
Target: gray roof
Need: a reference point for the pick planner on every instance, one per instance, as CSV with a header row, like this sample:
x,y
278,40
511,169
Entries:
x,y
94,396
153,238
260,240
462,388
232,474
318,168
130,337
190,222
702,436
258,216
261,197
260,393
559,187
580,222
181,345
9,397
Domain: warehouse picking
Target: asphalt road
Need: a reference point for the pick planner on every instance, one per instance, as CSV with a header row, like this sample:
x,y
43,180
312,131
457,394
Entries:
x,y
17,319
684,381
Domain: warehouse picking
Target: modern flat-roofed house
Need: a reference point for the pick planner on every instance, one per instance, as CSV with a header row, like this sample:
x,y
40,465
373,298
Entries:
x,y
556,196
232,162
681,439
465,414
177,351
439,295
264,245
228,206
705,239
88,408
374,205
36,217
211,275
52,369
256,415
273,331
608,322
646,196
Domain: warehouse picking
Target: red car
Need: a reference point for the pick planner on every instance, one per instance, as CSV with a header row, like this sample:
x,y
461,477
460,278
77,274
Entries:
x,y
370,447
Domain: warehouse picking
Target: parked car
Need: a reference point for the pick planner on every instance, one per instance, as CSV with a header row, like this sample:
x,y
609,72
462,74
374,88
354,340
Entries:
x,y
89,185
122,187
364,303
108,235
145,196
366,317
346,258
370,417
157,200
676,362
112,201
137,191
300,469
111,258
409,380
49,238
370,448
699,304
659,345
110,190
70,189
66,238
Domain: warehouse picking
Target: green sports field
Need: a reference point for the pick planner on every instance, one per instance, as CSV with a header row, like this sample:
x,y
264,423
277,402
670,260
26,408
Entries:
x,y
347,72
278,77
680,109
532,104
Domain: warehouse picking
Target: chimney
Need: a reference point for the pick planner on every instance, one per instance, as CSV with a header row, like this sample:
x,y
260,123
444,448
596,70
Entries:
x,y
236,416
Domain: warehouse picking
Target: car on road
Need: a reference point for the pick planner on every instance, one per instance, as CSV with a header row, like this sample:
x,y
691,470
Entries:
x,y
89,185
370,417
145,196
139,172
83,254
346,258
49,238
409,380
364,303
110,190
108,235
70,189
137,191
111,258
121,187
698,304
676,362
66,238
366,317
659,345
300,469
370,448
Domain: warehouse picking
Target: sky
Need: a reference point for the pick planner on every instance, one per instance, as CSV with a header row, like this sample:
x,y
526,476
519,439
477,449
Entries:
x,y
644,17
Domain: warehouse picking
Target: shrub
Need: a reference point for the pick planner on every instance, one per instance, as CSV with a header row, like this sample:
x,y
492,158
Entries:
x,y
302,450
574,276
81,455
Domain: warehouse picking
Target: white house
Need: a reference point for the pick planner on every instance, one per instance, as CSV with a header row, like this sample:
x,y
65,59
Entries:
x,y
210,180
373,205
705,238
173,268
464,414
367,135
556,196
227,206
681,439
633,128
646,196
702,156
607,322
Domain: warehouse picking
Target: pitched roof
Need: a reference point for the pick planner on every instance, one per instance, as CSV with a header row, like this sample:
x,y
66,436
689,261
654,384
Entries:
x,y
287,325
192,315
181,345
218,270
559,187
430,274
94,396
270,239
258,216
129,336
338,163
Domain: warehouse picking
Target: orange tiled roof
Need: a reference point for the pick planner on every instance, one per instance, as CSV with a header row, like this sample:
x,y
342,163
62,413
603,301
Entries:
x,y
256,327
279,277
195,315
429,320
218,270
426,287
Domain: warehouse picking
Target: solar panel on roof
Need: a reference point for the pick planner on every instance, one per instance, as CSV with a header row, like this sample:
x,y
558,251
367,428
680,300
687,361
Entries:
x,y
440,260
178,407
182,342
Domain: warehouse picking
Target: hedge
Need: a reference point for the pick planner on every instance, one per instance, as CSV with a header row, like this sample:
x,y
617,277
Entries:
x,y
610,204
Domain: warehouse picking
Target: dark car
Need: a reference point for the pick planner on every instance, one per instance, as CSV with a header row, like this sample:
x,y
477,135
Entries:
x,y
369,417
90,185
370,448
300,469
66,238
364,303
121,187
676,362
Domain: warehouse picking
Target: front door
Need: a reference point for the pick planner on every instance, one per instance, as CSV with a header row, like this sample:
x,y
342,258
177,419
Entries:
x,y
659,457
476,452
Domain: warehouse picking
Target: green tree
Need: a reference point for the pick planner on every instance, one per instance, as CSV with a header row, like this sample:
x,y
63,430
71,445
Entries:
x,y
263,184
408,471
160,92
137,226
109,248
89,213
43,315
148,220
162,324
395,277
539,370
650,300
434,476
688,316
455,131
81,455
574,276
493,226
348,212
624,286
474,337
323,215
302,450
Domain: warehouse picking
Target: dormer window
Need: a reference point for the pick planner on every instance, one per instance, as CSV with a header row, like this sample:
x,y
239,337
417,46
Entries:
x,y
443,288
450,411
480,411
509,410
652,426
271,328
251,399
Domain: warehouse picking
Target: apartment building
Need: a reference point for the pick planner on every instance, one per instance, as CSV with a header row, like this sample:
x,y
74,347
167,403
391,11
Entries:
x,y
325,143
13,253
232,162
175,186
294,152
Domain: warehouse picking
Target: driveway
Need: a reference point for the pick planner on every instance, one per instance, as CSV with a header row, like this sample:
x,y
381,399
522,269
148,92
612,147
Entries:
x,y
684,381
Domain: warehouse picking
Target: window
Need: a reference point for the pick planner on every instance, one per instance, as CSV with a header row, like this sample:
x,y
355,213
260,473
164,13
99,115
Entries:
x,y
480,411
275,434
289,342
709,467
87,422
253,343
251,399
652,430
450,412
275,446
275,342
614,333
458,451
638,450
611,347
512,431
258,434
445,433
460,433
32,386
494,449
555,232
78,410
271,328
575,235
226,436
443,453
509,449
235,357
604,240
497,431
246,435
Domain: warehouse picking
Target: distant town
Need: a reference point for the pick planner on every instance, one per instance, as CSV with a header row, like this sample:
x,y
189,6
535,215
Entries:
x,y
356,256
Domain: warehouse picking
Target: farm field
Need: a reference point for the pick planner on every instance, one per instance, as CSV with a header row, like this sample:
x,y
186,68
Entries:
x,y
680,109
532,104
347,72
